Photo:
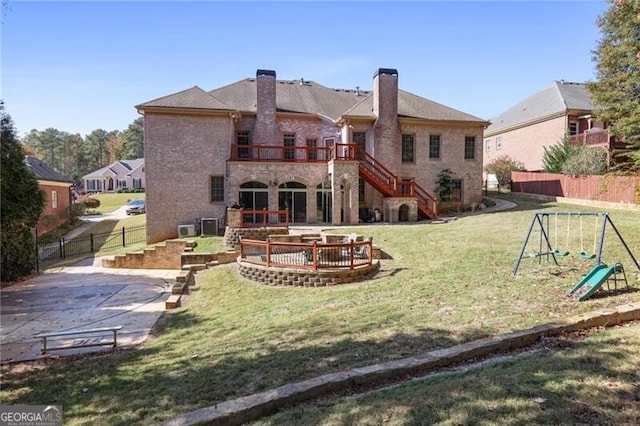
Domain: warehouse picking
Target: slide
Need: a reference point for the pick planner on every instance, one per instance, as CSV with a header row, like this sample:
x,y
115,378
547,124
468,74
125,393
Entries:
x,y
591,282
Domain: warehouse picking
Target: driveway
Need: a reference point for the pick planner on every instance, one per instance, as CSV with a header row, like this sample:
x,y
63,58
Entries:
x,y
78,297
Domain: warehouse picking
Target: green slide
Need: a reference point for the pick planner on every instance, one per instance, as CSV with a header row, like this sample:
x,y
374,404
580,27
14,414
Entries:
x,y
591,282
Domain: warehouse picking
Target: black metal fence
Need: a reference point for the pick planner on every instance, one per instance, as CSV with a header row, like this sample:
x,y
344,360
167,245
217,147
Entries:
x,y
52,253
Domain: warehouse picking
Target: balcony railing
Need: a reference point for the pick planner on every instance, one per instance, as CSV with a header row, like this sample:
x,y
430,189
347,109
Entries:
x,y
593,138
264,218
304,154
372,170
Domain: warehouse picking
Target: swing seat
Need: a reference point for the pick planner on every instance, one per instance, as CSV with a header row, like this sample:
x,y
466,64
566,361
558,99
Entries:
x,y
560,253
586,256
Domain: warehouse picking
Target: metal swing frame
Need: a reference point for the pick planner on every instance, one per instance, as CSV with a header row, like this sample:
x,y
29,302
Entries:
x,y
545,249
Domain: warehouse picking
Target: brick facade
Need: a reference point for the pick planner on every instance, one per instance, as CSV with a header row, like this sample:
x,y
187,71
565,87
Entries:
x,y
182,152
525,145
184,147
57,205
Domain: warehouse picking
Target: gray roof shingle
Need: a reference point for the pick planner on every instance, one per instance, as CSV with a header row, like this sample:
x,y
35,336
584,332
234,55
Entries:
x,y
43,172
308,97
558,97
305,97
193,98
130,165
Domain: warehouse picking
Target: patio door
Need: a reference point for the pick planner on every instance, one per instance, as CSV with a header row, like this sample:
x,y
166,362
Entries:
x,y
324,203
293,196
360,139
254,196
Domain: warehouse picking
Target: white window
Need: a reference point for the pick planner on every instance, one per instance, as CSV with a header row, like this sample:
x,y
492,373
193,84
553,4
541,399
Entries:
x,y
498,143
487,145
54,199
573,127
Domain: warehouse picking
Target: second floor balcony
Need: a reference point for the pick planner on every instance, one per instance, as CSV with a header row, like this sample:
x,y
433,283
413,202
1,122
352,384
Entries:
x,y
597,138
302,154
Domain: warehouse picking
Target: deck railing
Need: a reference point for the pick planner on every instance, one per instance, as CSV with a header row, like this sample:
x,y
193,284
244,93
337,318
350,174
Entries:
x,y
304,154
264,218
372,170
593,137
316,255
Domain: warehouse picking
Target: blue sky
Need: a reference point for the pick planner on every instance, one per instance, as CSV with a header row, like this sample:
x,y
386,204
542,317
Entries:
x,y
78,66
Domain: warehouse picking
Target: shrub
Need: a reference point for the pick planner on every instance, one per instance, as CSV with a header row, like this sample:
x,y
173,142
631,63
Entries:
x,y
77,209
502,168
586,161
90,202
554,158
444,185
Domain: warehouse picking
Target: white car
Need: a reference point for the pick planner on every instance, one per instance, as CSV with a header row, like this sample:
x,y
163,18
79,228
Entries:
x,y
136,206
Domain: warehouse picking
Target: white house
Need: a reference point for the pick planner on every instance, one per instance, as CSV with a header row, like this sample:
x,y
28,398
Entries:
x,y
123,174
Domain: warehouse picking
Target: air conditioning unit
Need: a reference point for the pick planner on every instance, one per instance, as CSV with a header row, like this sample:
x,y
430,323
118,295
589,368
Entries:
x,y
209,226
186,231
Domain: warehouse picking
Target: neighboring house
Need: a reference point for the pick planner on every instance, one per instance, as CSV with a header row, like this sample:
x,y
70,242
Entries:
x,y
123,174
331,156
543,119
57,195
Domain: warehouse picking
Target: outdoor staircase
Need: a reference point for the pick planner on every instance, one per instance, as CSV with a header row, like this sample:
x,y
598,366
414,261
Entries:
x,y
388,184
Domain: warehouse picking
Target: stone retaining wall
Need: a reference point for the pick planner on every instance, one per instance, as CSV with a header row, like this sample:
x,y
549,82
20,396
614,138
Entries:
x,y
232,235
303,277
166,256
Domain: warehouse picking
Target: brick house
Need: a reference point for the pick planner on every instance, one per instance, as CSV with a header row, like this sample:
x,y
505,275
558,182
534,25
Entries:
x,y
57,195
328,155
543,119
121,174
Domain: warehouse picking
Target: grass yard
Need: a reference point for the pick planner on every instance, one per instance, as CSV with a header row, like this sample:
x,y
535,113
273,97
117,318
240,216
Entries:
x,y
590,381
109,202
445,284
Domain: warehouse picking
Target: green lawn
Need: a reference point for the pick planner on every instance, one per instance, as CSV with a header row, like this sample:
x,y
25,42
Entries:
x,y
590,381
442,284
111,202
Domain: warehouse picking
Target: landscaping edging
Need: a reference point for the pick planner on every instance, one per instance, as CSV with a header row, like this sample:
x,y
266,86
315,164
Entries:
x,y
252,407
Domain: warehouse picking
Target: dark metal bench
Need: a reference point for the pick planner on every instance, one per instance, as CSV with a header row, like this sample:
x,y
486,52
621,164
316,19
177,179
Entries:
x,y
83,344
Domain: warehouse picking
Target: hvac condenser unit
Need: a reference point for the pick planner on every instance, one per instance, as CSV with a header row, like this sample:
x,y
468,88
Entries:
x,y
209,226
186,231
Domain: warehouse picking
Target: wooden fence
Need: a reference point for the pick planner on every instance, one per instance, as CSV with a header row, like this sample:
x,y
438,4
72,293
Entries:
x,y
614,189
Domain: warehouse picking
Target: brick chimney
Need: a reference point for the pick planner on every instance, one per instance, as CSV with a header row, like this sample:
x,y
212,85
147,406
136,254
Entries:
x,y
266,128
387,133
385,94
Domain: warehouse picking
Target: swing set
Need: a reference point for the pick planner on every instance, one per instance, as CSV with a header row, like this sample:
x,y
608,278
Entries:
x,y
545,249
565,252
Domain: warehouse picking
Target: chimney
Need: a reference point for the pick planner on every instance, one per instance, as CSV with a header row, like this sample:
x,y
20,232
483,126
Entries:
x,y
387,133
385,94
266,128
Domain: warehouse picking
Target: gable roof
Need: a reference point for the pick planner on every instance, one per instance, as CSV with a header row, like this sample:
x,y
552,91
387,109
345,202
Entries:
x,y
300,96
413,106
193,98
127,165
43,172
558,97
132,164
308,97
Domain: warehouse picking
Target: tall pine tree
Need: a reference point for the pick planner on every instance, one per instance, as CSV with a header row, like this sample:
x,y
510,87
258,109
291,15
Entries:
x,y
617,90
21,205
